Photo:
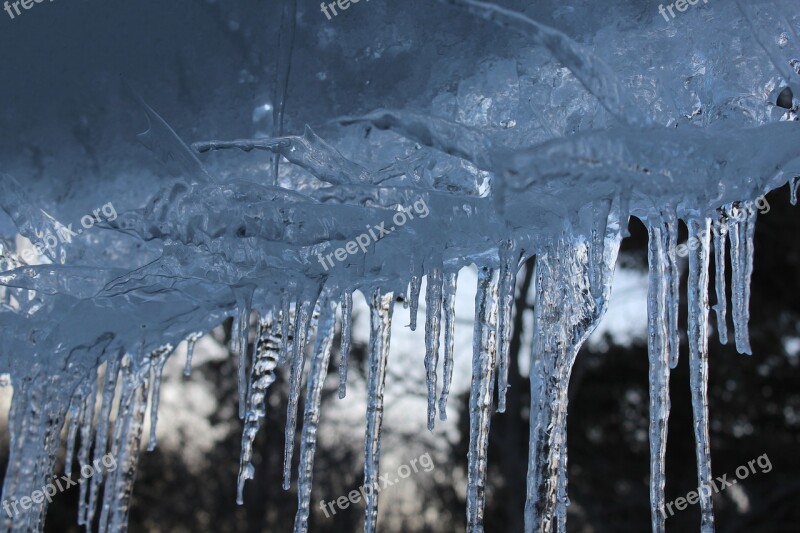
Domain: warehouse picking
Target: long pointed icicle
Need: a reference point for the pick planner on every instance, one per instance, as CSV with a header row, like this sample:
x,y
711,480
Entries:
x,y
295,380
317,372
450,285
74,419
484,354
285,326
347,334
262,376
793,184
698,364
749,233
87,422
244,301
433,302
673,287
101,437
659,355
159,359
381,324
720,239
508,282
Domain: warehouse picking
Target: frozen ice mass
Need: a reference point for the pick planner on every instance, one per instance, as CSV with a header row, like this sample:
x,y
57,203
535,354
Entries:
x,y
523,131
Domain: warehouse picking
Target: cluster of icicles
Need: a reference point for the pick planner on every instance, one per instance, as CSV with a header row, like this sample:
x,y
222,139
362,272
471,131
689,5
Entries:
x,y
572,279
573,270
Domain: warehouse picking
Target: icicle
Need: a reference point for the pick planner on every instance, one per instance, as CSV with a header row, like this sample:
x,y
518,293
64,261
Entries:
x,y
262,376
286,323
347,334
741,269
88,510
191,340
450,284
87,422
72,432
659,358
433,302
244,301
159,358
673,287
295,378
317,372
698,363
508,282
567,309
484,353
233,343
747,268
128,430
381,325
720,239
36,420
413,296
794,183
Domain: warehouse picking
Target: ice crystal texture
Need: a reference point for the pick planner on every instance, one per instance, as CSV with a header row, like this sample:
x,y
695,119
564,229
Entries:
x,y
539,134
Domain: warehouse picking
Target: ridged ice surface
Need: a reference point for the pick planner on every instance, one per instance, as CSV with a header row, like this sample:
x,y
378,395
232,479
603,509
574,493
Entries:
x,y
544,145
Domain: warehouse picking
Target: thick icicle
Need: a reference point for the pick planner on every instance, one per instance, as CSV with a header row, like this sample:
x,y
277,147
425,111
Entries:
x,y
295,379
450,285
244,302
673,287
128,430
381,325
659,356
191,341
159,359
262,376
567,309
720,239
741,233
508,282
347,334
698,364
484,354
101,437
794,183
36,420
317,372
433,302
